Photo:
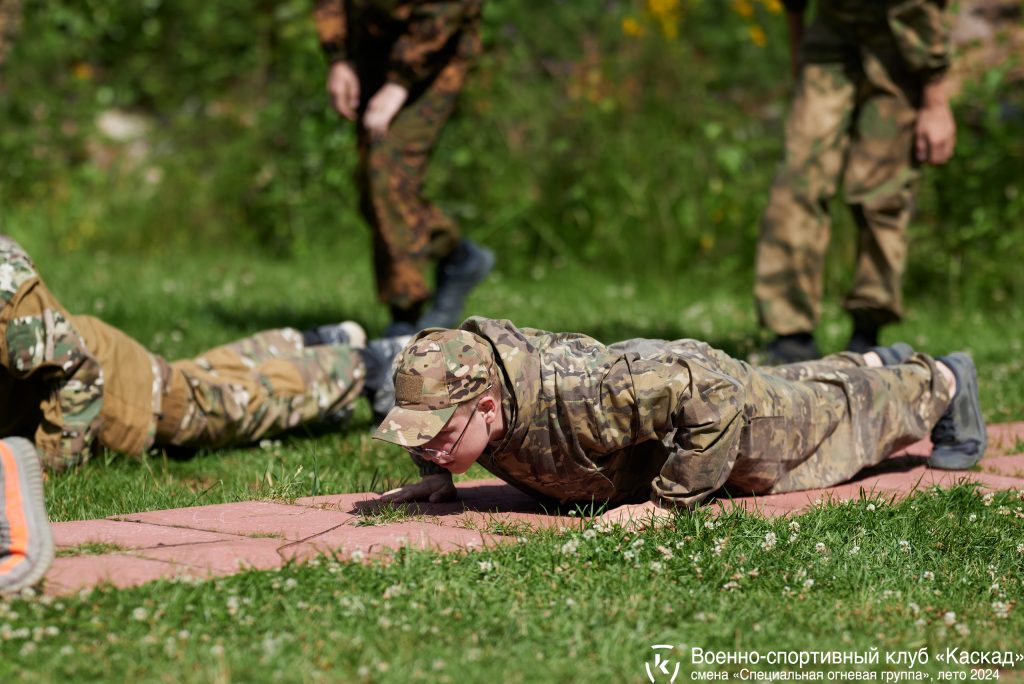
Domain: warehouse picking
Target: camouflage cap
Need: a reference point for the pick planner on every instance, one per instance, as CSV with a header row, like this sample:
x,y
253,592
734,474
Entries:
x,y
436,372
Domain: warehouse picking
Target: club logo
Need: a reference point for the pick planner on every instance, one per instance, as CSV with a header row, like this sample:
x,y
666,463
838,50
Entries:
x,y
660,669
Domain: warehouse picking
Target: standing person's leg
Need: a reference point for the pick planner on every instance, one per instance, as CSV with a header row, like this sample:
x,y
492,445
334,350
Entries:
x,y
410,231
26,543
878,186
256,388
796,226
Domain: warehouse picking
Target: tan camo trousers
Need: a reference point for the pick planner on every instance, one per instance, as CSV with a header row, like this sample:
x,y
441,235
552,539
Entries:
x,y
851,122
255,388
835,417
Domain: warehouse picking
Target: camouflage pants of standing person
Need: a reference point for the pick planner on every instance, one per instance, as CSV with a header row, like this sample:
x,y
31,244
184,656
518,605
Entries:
x,y
852,120
255,388
409,231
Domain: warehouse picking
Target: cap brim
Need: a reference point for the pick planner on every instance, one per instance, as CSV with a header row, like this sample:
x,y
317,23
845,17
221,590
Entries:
x,y
409,428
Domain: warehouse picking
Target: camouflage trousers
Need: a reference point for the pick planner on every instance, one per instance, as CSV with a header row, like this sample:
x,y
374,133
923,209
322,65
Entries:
x,y
409,231
817,423
254,388
852,121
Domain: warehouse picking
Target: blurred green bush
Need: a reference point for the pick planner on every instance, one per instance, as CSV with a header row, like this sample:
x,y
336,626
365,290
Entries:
x,y
637,135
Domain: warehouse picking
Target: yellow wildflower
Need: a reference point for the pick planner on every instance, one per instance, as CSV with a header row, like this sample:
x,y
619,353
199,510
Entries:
x,y
757,35
744,8
773,6
632,27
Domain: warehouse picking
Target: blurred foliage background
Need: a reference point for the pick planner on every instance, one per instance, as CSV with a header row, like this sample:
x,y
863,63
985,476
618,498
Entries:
x,y
636,135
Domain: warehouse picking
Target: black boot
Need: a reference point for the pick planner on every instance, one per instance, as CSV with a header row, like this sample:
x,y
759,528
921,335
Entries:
x,y
379,384
457,275
791,349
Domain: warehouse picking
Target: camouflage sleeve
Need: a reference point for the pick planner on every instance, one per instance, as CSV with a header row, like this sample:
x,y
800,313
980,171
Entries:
x,y
428,40
39,339
331,28
701,409
921,30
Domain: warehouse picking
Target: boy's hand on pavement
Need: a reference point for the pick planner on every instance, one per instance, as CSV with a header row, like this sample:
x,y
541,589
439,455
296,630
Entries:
x,y
343,87
433,488
638,516
383,107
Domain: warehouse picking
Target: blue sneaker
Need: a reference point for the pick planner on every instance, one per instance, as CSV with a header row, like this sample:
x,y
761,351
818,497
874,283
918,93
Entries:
x,y
457,275
959,438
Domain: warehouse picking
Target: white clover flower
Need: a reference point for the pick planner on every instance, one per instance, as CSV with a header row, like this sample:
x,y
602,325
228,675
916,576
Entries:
x,y
709,524
928,576
637,543
140,614
656,566
914,608
820,548
972,517
589,533
1001,609
570,547
986,500
628,555
962,629
854,550
794,526
769,541
904,546
730,586
665,552
949,618
485,566
808,583
870,507
357,555
1020,548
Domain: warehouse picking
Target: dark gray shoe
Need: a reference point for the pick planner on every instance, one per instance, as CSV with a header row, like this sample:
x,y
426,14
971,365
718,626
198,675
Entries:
x,y
348,333
457,275
379,359
959,438
29,521
895,354
786,349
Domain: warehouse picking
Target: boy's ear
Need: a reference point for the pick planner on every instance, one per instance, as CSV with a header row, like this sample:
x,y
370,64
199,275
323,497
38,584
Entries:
x,y
487,404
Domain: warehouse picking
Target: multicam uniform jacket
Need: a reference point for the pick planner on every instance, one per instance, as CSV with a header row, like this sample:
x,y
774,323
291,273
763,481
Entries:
x,y
673,421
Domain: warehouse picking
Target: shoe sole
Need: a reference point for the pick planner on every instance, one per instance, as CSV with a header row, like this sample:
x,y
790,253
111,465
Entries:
x,y
956,460
30,474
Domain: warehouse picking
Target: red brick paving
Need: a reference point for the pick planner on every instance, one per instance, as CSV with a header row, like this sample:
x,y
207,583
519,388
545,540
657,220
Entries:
x,y
226,538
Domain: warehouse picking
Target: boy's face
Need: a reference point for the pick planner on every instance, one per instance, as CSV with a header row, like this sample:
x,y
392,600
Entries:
x,y
464,437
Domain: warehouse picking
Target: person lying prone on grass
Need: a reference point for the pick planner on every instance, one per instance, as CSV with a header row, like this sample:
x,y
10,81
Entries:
x,y
648,426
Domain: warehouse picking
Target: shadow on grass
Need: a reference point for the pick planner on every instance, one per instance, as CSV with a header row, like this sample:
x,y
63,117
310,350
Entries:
x,y
248,318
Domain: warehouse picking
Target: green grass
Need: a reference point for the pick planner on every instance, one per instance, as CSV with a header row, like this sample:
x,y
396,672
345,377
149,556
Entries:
x,y
90,549
942,569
